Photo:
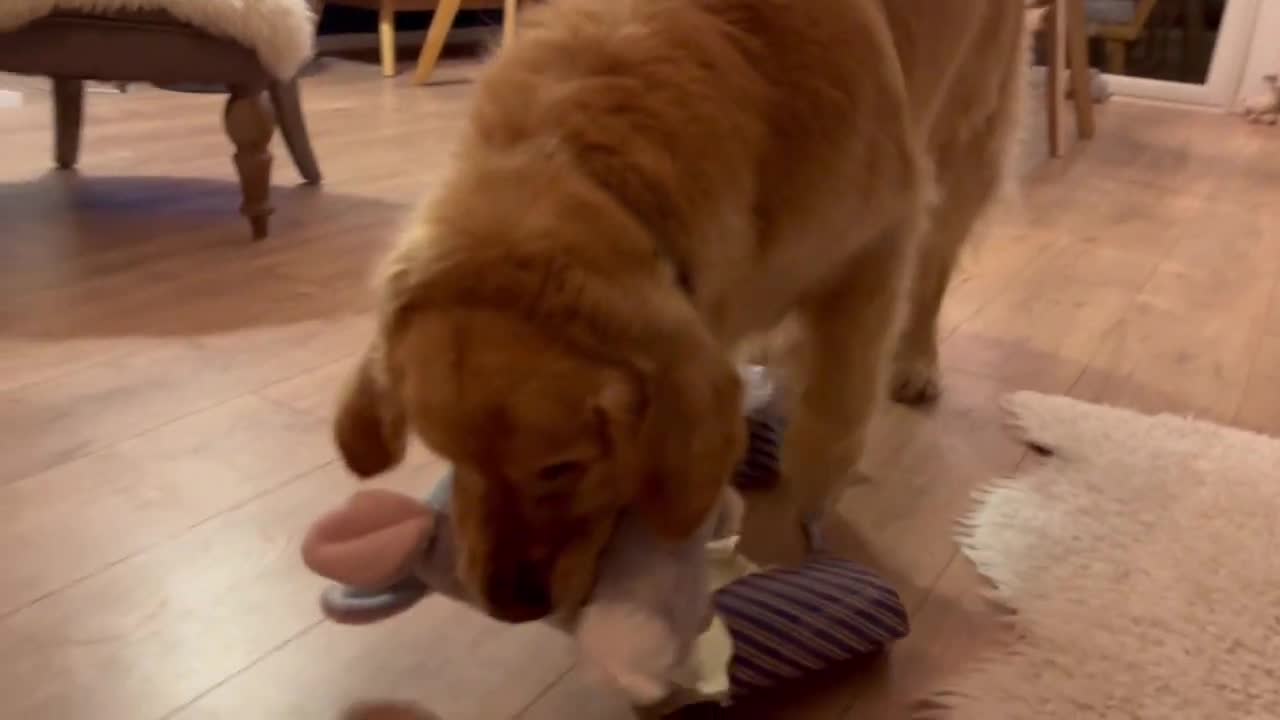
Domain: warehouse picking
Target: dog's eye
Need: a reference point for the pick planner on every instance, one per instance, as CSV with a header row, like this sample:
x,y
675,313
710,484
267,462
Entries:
x,y
562,473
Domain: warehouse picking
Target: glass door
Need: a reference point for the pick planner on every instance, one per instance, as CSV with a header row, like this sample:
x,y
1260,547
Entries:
x,y
1185,51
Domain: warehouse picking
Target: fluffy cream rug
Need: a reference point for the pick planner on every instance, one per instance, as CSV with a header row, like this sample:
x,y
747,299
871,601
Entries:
x,y
1142,565
281,32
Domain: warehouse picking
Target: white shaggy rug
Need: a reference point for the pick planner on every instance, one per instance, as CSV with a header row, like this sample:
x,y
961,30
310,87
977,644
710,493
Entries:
x,y
1142,563
281,32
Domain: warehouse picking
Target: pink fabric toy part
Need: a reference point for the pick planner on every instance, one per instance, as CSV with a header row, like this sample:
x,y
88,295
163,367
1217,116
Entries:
x,y
387,550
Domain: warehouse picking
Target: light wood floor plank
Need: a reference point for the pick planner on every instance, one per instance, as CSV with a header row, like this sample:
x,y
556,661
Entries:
x,y
145,636
82,516
70,416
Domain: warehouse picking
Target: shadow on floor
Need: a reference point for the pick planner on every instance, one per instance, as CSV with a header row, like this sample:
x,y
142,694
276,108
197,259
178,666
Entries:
x,y
90,256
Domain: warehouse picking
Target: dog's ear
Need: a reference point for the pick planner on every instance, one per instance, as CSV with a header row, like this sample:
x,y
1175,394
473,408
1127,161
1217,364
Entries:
x,y
692,437
370,427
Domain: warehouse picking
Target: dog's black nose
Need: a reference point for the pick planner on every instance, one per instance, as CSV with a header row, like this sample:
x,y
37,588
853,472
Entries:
x,y
521,595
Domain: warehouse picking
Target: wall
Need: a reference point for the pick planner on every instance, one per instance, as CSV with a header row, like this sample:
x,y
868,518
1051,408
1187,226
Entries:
x,y
1264,51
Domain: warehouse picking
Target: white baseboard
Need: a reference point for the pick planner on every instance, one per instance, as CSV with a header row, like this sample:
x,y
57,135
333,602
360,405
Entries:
x,y
346,42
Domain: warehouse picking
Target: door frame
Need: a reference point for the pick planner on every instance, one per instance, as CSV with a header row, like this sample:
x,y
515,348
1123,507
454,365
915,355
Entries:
x,y
1231,55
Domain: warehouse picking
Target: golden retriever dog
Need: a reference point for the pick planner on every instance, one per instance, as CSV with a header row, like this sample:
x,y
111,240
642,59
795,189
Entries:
x,y
641,186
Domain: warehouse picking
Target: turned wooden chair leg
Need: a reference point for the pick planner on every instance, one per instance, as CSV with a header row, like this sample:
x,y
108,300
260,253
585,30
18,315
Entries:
x,y
387,36
68,118
250,125
288,108
441,24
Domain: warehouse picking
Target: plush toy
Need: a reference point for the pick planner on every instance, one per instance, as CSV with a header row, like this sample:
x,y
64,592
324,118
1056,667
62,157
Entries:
x,y
667,625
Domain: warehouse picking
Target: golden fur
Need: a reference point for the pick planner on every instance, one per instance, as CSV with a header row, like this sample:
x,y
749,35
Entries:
x,y
643,185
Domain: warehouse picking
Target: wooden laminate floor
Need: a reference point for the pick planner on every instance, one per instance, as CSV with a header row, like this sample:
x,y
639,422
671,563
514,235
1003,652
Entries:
x,y
165,389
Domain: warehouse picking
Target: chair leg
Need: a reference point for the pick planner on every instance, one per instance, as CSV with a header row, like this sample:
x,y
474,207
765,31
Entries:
x,y
250,125
387,37
68,118
1055,91
441,24
288,108
1078,51
509,10
1116,51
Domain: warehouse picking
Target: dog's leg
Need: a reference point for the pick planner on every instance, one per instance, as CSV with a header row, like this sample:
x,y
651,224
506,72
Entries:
x,y
970,170
849,329
915,378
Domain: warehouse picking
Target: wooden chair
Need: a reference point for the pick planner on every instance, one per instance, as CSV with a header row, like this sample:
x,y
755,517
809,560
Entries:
x,y
1119,36
1065,27
445,14
153,47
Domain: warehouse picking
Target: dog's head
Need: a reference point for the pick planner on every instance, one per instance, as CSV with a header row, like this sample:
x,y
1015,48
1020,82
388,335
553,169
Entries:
x,y
561,402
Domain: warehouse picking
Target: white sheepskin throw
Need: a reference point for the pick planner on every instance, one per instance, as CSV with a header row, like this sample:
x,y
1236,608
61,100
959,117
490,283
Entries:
x,y
1139,560
281,32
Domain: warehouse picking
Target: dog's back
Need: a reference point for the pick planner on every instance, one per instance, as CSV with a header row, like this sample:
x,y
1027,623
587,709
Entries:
x,y
763,142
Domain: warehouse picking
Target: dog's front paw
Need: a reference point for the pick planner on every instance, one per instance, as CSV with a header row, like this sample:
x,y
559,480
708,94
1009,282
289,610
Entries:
x,y
916,381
